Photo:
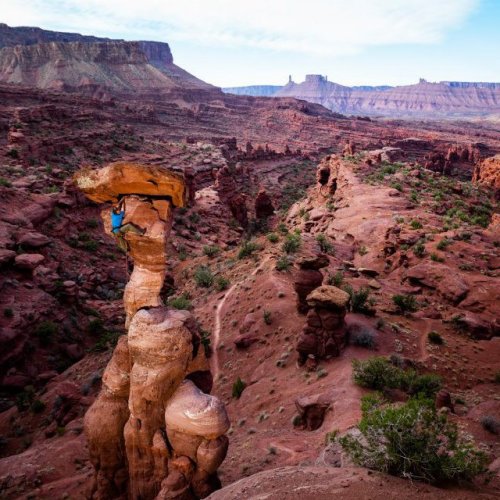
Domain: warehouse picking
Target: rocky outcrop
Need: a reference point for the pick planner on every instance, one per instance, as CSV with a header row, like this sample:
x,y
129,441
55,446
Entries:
x,y
263,205
152,432
327,174
324,334
487,173
308,277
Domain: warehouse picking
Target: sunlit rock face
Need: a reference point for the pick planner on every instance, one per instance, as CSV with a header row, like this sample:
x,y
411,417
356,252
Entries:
x,y
152,432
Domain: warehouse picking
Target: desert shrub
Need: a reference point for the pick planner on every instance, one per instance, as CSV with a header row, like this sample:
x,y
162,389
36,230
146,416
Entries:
x,y
107,340
335,279
378,373
419,248
96,326
405,303
435,338
89,245
496,378
273,237
364,337
412,440
282,228
247,249
292,243
203,276
8,312
238,388
206,342
181,302
211,250
416,224
490,424
267,317
362,250
46,331
324,244
37,406
221,283
5,182
13,153
283,263
359,299
444,243
436,258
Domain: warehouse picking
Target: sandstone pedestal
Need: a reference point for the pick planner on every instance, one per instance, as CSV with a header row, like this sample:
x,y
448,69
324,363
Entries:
x,y
152,432
325,333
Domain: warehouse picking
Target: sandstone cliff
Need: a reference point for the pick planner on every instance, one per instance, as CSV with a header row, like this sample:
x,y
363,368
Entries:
x,y
52,60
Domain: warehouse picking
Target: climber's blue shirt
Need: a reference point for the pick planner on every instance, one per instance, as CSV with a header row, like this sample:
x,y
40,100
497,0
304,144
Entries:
x,y
116,220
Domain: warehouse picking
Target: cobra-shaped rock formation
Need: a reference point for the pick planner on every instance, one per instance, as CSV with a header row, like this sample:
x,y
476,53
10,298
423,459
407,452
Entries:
x,y
152,432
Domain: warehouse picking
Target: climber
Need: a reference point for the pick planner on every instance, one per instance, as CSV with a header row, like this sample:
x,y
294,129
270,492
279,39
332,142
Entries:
x,y
119,229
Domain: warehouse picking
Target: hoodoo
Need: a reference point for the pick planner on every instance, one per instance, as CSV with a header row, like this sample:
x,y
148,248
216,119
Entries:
x,y
152,433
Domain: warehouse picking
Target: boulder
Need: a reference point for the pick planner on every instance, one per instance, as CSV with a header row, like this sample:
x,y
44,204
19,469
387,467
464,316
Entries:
x,y
32,239
312,410
329,297
28,261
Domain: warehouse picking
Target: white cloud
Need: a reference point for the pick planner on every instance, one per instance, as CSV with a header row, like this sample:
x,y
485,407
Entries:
x,y
316,27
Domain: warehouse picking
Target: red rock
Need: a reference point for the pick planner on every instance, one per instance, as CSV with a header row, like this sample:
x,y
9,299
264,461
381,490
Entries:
x,y
33,240
263,205
6,256
312,410
29,261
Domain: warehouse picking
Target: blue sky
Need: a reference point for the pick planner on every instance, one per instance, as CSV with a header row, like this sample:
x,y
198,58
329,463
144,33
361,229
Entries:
x,y
354,42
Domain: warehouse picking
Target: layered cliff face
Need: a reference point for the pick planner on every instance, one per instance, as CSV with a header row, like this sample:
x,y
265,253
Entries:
x,y
115,65
422,99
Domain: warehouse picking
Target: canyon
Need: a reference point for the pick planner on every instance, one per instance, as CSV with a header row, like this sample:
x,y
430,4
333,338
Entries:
x,y
210,351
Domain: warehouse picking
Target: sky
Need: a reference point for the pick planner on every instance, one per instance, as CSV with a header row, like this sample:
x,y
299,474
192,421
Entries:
x,y
353,42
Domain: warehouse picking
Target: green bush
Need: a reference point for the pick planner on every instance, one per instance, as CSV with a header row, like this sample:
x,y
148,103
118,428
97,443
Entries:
x,y
359,300
378,373
221,283
336,279
273,237
405,303
5,182
247,249
238,388
203,276
46,331
416,224
412,440
181,302
325,245
267,317
211,250
292,243
96,326
283,263
444,243
419,248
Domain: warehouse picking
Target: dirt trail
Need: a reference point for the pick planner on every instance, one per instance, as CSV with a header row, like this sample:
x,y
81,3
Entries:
x,y
214,360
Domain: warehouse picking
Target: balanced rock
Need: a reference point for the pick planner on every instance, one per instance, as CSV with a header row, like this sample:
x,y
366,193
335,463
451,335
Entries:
x,y
122,178
325,332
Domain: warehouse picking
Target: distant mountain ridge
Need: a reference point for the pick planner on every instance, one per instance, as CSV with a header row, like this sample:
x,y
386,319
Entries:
x,y
424,99
69,61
